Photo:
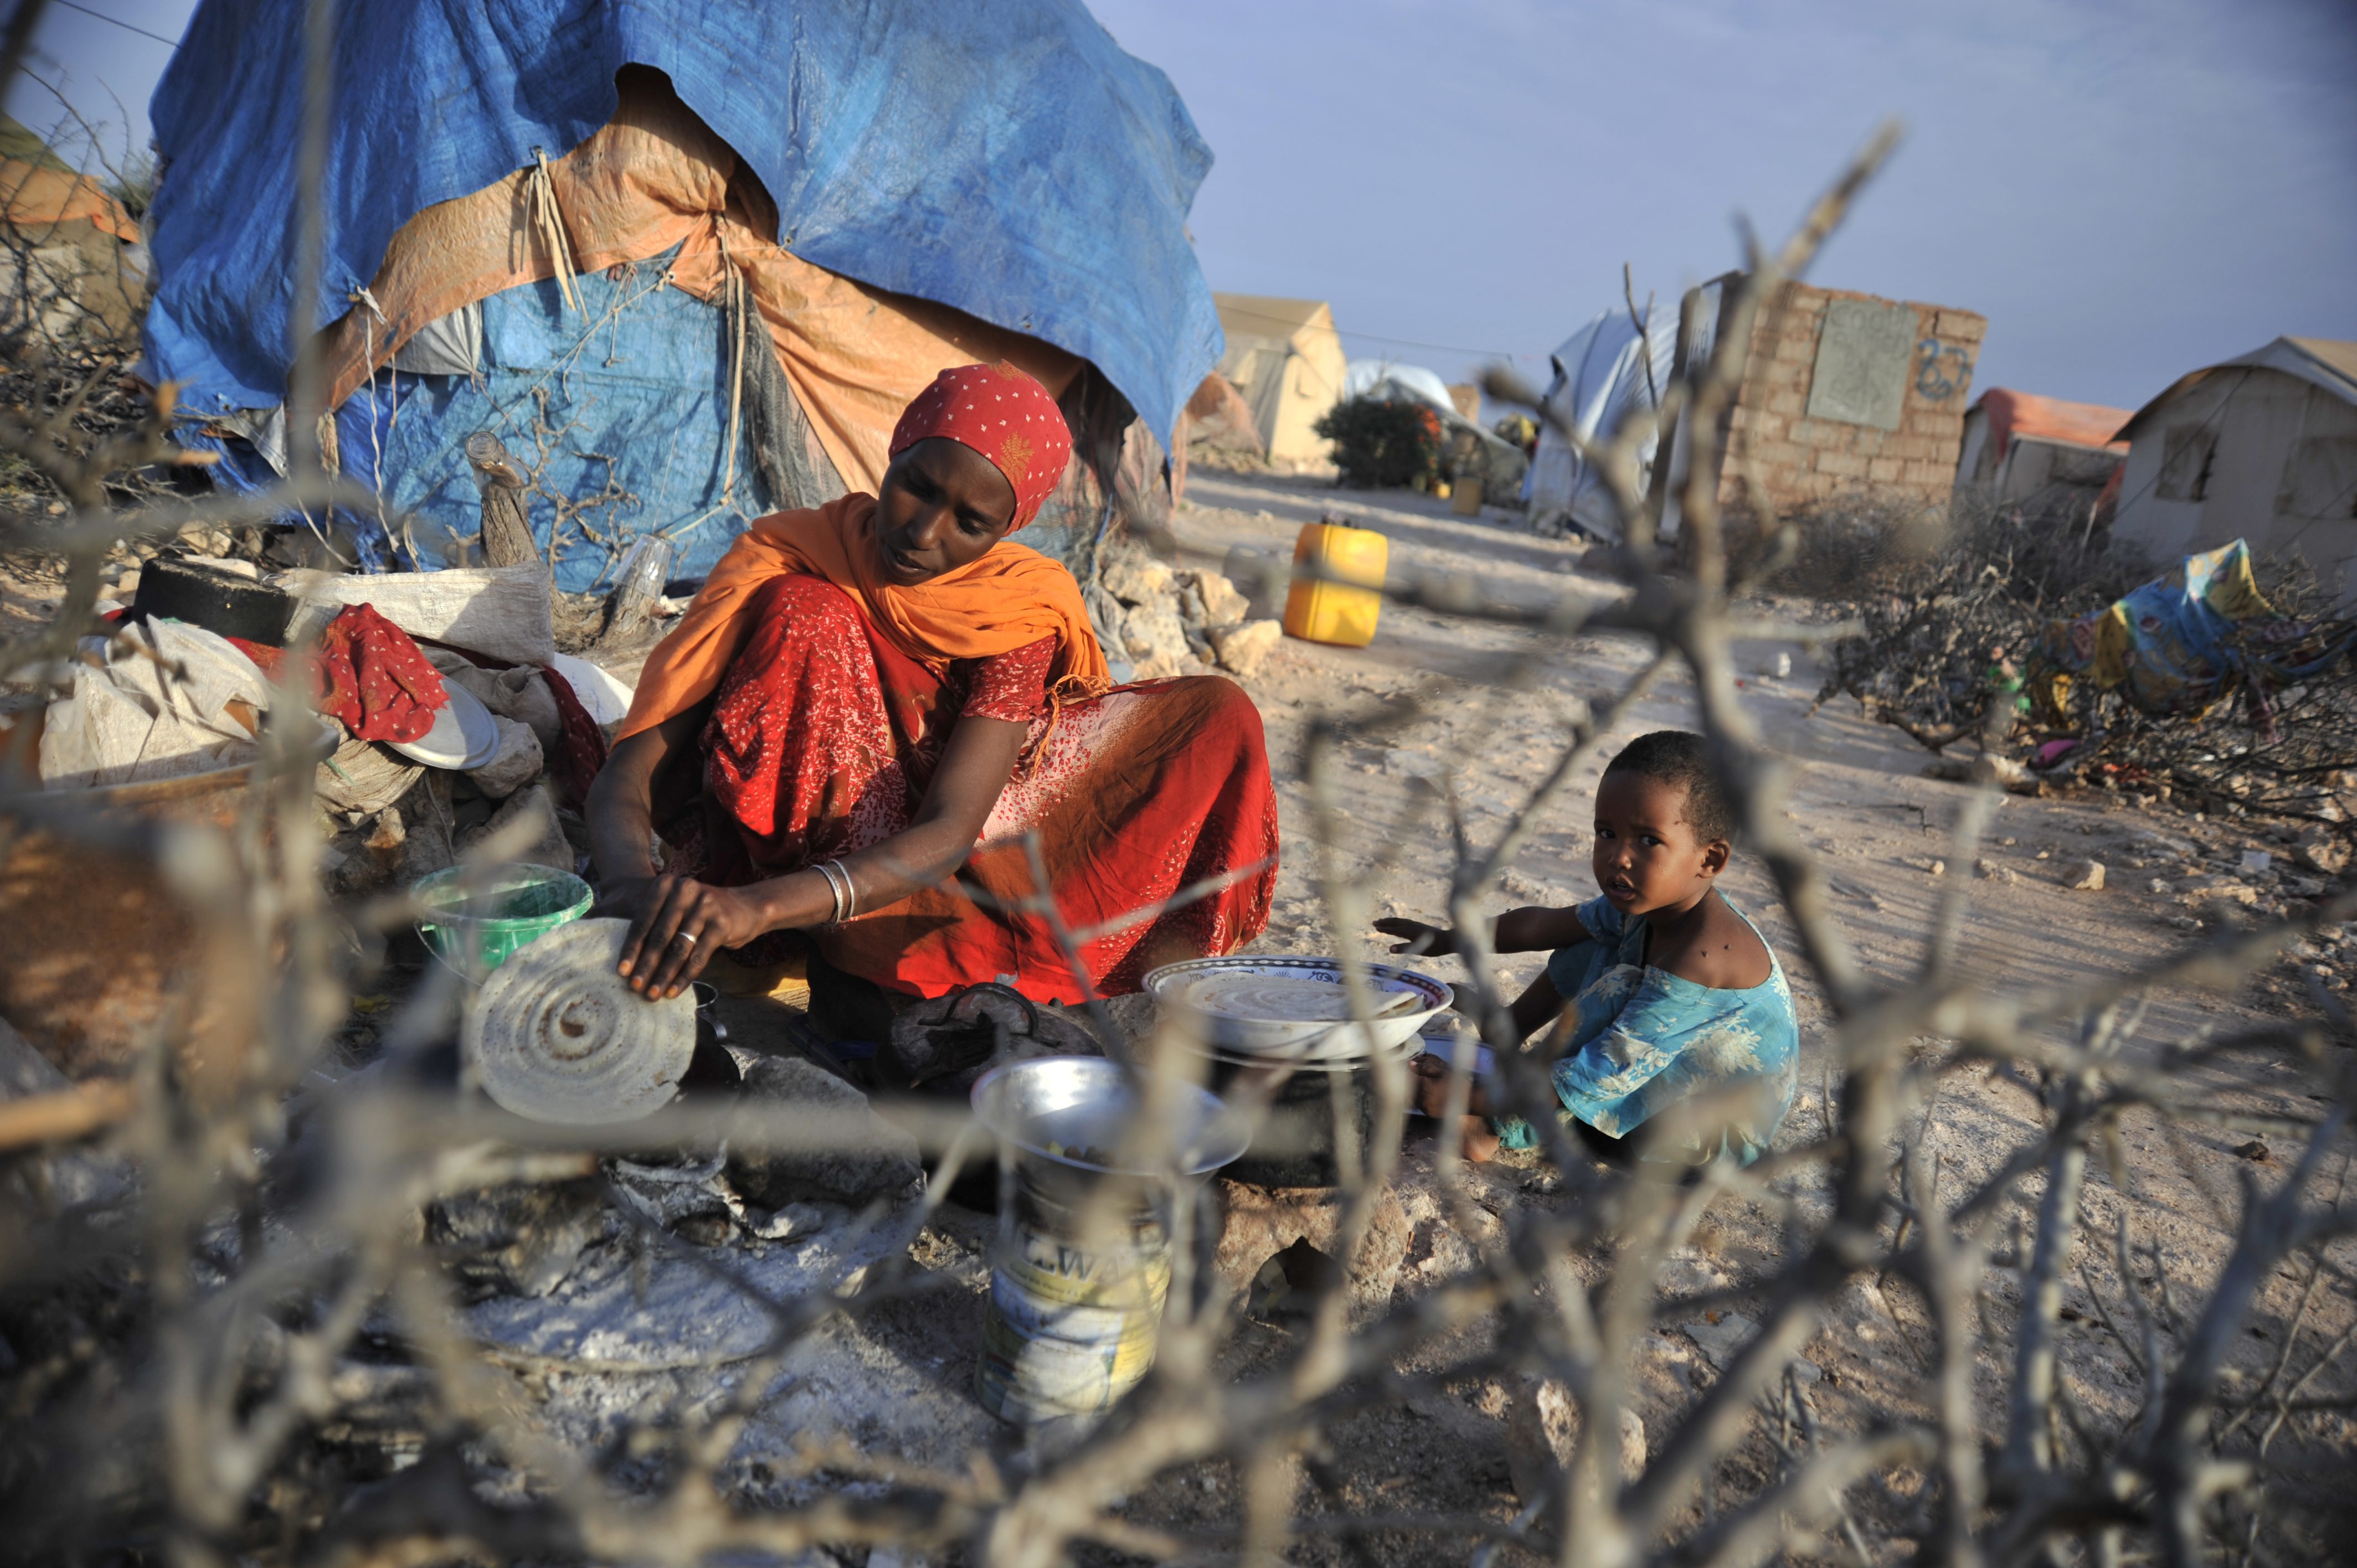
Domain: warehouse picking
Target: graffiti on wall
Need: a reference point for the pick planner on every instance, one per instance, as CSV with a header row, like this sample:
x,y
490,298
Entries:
x,y
1942,370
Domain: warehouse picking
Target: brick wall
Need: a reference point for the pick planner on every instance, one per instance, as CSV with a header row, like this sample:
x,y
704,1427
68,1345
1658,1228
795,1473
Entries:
x,y
1801,460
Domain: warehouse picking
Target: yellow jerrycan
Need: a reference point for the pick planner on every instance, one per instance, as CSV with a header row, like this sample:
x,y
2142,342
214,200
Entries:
x,y
1342,609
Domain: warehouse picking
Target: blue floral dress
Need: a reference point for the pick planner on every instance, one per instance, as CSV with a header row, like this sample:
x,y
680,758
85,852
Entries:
x,y
1643,1039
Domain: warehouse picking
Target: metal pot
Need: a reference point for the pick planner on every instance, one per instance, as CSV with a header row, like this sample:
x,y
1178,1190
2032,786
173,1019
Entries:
x,y
1295,1145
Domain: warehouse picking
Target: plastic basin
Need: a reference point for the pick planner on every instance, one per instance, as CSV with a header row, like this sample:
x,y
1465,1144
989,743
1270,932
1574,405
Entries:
x,y
475,923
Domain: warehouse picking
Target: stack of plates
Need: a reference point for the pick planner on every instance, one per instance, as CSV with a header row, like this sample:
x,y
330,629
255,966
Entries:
x,y
1295,1009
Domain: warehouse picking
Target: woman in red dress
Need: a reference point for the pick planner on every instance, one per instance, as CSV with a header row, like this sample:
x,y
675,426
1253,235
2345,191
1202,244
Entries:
x,y
880,715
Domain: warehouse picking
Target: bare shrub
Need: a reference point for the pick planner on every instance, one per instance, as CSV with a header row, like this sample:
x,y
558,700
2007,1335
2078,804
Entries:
x,y
239,1343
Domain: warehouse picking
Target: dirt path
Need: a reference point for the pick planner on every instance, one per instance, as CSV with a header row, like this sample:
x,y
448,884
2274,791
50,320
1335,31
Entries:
x,y
1859,800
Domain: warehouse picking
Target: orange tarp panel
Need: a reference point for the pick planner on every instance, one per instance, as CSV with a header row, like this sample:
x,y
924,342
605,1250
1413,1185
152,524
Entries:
x,y
38,197
653,177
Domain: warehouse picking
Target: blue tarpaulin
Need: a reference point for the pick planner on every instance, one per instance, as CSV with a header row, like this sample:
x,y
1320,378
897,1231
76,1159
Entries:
x,y
634,410
1003,156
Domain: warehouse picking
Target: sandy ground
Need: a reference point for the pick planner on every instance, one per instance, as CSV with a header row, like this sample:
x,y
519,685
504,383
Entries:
x,y
1860,801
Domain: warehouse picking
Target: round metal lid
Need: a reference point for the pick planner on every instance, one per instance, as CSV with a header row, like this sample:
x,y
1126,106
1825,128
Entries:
x,y
556,1035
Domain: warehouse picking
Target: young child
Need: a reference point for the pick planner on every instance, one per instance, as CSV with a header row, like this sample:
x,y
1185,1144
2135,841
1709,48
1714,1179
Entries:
x,y
1659,988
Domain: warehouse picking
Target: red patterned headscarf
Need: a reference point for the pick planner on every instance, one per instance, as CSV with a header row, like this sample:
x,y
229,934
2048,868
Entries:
x,y
1003,413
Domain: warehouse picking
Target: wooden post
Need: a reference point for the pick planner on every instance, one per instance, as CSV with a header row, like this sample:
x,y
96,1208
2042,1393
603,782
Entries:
x,y
507,528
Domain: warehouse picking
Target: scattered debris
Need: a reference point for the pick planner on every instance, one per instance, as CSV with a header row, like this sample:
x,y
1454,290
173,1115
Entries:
x,y
2084,876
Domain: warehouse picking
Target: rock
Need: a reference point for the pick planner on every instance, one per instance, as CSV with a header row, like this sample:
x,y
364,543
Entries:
x,y
871,1158
2217,890
1259,1223
2084,875
2305,887
1543,1439
537,838
670,1192
1938,868
1135,578
1222,604
1993,872
516,763
1722,1341
1155,638
1686,1274
2323,850
2254,1151
2256,862
1242,649
519,1240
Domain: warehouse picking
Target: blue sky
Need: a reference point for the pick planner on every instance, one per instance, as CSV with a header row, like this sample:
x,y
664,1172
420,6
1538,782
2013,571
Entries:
x,y
2126,188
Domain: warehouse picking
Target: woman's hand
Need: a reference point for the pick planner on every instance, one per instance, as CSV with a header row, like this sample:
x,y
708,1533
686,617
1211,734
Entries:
x,y
676,925
1415,937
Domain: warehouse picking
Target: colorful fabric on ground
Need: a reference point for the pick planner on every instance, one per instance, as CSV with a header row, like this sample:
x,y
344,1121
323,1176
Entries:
x,y
1642,1039
1009,598
1003,413
2181,641
371,677
824,737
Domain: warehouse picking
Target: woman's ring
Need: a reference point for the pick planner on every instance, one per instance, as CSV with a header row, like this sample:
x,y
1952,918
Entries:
x,y
687,937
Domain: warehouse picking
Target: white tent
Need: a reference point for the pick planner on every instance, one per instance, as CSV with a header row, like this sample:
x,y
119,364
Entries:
x,y
1365,375
1601,376
2262,447
1285,359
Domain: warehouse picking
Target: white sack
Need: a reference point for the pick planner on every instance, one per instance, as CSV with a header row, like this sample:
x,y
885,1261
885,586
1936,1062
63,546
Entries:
x,y
499,610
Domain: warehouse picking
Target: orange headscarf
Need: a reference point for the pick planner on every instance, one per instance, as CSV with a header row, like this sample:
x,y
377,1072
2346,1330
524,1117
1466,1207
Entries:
x,y
1009,598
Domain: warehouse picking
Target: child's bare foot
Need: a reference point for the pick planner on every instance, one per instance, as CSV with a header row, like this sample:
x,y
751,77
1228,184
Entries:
x,y
1477,1139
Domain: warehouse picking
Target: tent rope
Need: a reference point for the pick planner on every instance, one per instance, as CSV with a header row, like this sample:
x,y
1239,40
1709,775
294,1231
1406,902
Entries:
x,y
739,304
550,219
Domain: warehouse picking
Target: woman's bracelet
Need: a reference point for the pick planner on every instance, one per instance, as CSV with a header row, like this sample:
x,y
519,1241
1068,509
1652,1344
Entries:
x,y
838,881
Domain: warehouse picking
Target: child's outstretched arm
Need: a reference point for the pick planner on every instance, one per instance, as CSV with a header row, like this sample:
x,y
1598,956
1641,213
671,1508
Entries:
x,y
1531,929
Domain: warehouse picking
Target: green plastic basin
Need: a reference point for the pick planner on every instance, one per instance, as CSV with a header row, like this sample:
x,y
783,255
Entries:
x,y
476,928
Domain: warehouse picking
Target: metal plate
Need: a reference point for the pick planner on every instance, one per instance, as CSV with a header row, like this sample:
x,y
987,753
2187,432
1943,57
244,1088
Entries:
x,y
558,1036
463,735
1213,997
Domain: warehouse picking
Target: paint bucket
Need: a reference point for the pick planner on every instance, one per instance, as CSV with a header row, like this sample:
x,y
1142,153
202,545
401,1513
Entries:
x,y
1071,1326
1082,1266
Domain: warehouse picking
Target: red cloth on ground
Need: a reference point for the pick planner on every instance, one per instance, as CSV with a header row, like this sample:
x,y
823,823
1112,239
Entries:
x,y
824,736
371,676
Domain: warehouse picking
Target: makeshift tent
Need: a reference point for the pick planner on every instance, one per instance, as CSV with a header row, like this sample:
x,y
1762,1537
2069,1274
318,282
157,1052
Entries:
x,y
1601,375
1363,376
2262,447
1284,356
686,274
1467,449
76,261
2040,453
